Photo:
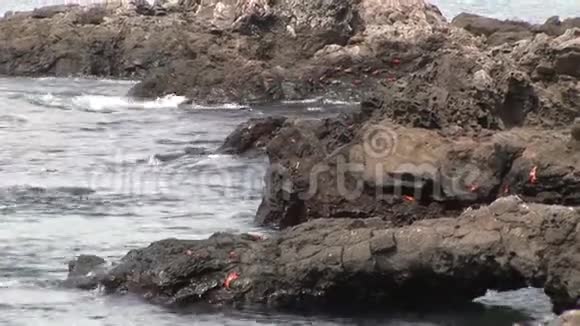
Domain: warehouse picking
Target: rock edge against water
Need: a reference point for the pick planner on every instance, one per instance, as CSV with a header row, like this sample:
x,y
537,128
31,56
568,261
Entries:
x,y
507,245
259,50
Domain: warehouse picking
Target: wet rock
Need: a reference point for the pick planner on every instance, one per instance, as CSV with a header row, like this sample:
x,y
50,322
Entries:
x,y
196,151
507,245
76,191
85,272
252,135
168,157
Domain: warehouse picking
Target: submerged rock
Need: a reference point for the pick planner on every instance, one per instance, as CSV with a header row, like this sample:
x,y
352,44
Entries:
x,y
85,272
507,245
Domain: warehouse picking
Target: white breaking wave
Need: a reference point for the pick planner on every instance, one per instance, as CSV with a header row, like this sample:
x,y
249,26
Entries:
x,y
319,100
103,103
225,106
9,283
306,101
338,102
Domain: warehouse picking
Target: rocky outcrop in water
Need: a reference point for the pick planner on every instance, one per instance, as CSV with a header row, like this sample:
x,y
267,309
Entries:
x,y
453,117
506,245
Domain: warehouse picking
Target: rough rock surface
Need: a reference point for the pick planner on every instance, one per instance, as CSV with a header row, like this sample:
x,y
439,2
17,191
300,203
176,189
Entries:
x,y
251,135
430,130
341,167
506,245
258,50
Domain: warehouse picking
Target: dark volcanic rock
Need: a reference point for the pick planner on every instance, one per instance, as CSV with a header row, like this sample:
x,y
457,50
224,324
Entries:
x,y
508,245
344,168
245,51
218,51
251,135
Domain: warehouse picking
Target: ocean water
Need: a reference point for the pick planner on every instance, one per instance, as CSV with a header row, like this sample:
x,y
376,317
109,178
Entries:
x,y
83,169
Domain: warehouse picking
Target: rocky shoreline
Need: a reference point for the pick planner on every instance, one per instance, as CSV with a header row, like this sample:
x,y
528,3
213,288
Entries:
x,y
459,173
506,245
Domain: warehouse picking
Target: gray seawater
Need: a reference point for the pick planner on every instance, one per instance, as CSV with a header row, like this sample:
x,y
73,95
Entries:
x,y
62,138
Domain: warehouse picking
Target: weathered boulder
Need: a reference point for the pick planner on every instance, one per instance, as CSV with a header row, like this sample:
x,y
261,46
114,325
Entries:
x,y
507,245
